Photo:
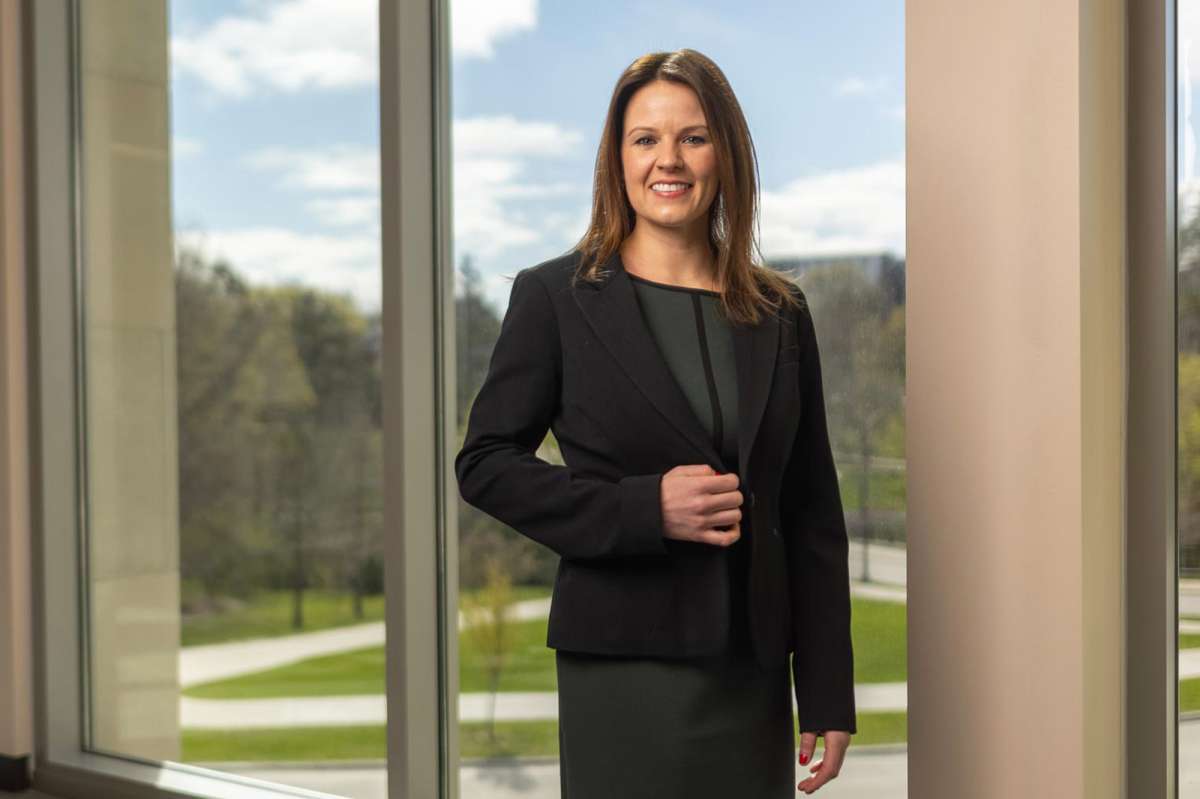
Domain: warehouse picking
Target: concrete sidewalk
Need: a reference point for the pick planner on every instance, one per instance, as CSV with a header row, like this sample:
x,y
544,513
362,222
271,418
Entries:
x,y
868,772
329,711
201,664
322,711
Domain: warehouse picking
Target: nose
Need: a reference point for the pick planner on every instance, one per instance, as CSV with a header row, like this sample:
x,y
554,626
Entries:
x,y
673,156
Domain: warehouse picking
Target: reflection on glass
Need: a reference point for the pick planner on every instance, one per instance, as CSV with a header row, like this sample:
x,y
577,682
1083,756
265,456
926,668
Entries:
x,y
530,86
231,381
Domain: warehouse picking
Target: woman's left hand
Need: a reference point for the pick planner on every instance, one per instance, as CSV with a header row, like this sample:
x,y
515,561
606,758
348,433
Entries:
x,y
828,766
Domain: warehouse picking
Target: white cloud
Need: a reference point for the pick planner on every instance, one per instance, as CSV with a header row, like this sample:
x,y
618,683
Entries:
x,y
183,146
273,256
508,136
285,46
294,45
476,25
338,167
855,85
491,157
856,209
346,211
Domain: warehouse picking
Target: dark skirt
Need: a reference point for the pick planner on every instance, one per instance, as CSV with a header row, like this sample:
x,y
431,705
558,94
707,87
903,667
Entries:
x,y
690,728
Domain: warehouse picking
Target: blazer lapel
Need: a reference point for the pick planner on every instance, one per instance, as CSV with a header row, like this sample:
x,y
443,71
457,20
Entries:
x,y
755,348
611,309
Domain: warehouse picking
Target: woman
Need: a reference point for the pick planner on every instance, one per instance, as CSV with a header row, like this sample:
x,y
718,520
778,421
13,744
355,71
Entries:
x,y
682,382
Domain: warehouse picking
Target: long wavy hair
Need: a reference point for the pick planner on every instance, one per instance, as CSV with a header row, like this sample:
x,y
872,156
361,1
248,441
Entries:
x,y
747,288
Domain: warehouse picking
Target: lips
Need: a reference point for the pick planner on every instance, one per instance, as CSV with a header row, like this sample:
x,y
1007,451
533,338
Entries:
x,y
678,192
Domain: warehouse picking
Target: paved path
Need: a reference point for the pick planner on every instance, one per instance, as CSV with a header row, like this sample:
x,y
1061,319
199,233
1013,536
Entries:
x,y
201,664
510,705
868,772
324,711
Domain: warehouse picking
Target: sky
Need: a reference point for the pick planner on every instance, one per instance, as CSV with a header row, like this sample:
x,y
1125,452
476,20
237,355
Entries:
x,y
274,113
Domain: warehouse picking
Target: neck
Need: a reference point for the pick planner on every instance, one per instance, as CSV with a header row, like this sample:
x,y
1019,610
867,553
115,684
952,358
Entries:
x,y
666,257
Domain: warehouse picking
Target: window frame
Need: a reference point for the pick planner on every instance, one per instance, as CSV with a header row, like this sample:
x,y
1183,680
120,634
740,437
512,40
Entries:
x,y
1151,546
417,310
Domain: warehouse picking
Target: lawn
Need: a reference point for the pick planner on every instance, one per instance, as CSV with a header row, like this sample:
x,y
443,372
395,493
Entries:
x,y
513,739
878,630
269,614
888,490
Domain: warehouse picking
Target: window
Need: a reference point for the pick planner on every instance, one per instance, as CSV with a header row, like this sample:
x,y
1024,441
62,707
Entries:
x,y
531,85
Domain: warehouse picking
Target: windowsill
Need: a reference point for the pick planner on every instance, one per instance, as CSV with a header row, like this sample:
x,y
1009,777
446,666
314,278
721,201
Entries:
x,y
93,775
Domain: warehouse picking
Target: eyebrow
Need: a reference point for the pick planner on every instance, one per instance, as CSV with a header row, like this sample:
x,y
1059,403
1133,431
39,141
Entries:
x,y
655,130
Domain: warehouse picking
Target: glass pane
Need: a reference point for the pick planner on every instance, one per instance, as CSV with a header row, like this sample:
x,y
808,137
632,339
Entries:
x,y
1188,410
822,90
231,380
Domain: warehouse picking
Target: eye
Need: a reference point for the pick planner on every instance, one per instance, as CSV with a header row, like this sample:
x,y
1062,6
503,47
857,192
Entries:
x,y
699,139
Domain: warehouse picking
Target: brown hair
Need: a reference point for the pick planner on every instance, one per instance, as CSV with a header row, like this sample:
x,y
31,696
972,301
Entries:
x,y
747,287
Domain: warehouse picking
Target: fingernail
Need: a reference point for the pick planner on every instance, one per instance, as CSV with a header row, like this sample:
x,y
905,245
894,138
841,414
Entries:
x,y
803,758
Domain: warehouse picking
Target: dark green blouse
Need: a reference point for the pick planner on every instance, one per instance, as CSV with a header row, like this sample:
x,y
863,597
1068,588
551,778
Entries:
x,y
697,344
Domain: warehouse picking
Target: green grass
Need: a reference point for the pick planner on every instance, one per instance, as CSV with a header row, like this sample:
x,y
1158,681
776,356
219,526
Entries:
x,y
888,490
1189,694
1189,641
513,739
878,630
359,671
269,614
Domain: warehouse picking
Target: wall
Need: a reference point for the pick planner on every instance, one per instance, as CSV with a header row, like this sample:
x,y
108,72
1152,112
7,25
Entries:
x,y
1015,397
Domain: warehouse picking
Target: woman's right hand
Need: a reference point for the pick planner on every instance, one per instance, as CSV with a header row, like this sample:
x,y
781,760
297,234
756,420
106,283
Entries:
x,y
699,504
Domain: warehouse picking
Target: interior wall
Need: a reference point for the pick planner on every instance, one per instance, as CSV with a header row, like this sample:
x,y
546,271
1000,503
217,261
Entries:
x,y
1015,397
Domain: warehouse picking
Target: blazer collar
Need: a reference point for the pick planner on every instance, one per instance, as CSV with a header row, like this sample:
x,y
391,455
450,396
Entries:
x,y
612,311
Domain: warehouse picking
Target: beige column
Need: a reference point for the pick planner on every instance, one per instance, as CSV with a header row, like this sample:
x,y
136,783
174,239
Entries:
x,y
130,394
16,607
1015,398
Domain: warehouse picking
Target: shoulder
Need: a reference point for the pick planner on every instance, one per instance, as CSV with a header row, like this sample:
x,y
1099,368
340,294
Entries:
x,y
554,273
537,291
799,310
801,316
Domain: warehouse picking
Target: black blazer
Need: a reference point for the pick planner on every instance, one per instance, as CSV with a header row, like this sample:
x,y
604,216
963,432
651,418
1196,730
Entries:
x,y
582,362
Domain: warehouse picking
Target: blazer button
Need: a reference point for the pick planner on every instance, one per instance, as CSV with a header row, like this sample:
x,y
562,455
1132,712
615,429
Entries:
x,y
775,532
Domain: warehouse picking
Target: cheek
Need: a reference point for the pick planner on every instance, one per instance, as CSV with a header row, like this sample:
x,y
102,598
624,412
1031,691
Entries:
x,y
633,164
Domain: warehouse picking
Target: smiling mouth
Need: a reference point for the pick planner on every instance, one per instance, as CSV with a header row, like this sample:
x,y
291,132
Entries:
x,y
674,189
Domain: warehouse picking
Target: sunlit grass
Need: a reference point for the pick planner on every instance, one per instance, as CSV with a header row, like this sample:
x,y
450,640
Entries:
x,y
269,614
877,627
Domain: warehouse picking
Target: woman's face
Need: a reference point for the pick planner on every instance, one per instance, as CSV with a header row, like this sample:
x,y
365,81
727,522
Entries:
x,y
665,143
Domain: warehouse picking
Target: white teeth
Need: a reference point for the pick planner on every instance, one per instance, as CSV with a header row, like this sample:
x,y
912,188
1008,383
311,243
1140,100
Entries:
x,y
669,186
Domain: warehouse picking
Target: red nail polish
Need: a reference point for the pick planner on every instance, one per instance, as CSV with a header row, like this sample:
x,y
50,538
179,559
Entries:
x,y
803,758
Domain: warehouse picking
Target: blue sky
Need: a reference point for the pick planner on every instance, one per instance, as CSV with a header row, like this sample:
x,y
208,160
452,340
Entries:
x,y
275,125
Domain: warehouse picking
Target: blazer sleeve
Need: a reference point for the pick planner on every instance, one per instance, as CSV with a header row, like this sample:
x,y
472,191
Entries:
x,y
499,473
818,550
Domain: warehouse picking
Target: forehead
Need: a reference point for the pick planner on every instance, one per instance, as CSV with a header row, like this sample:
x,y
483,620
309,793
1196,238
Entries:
x,y
665,104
